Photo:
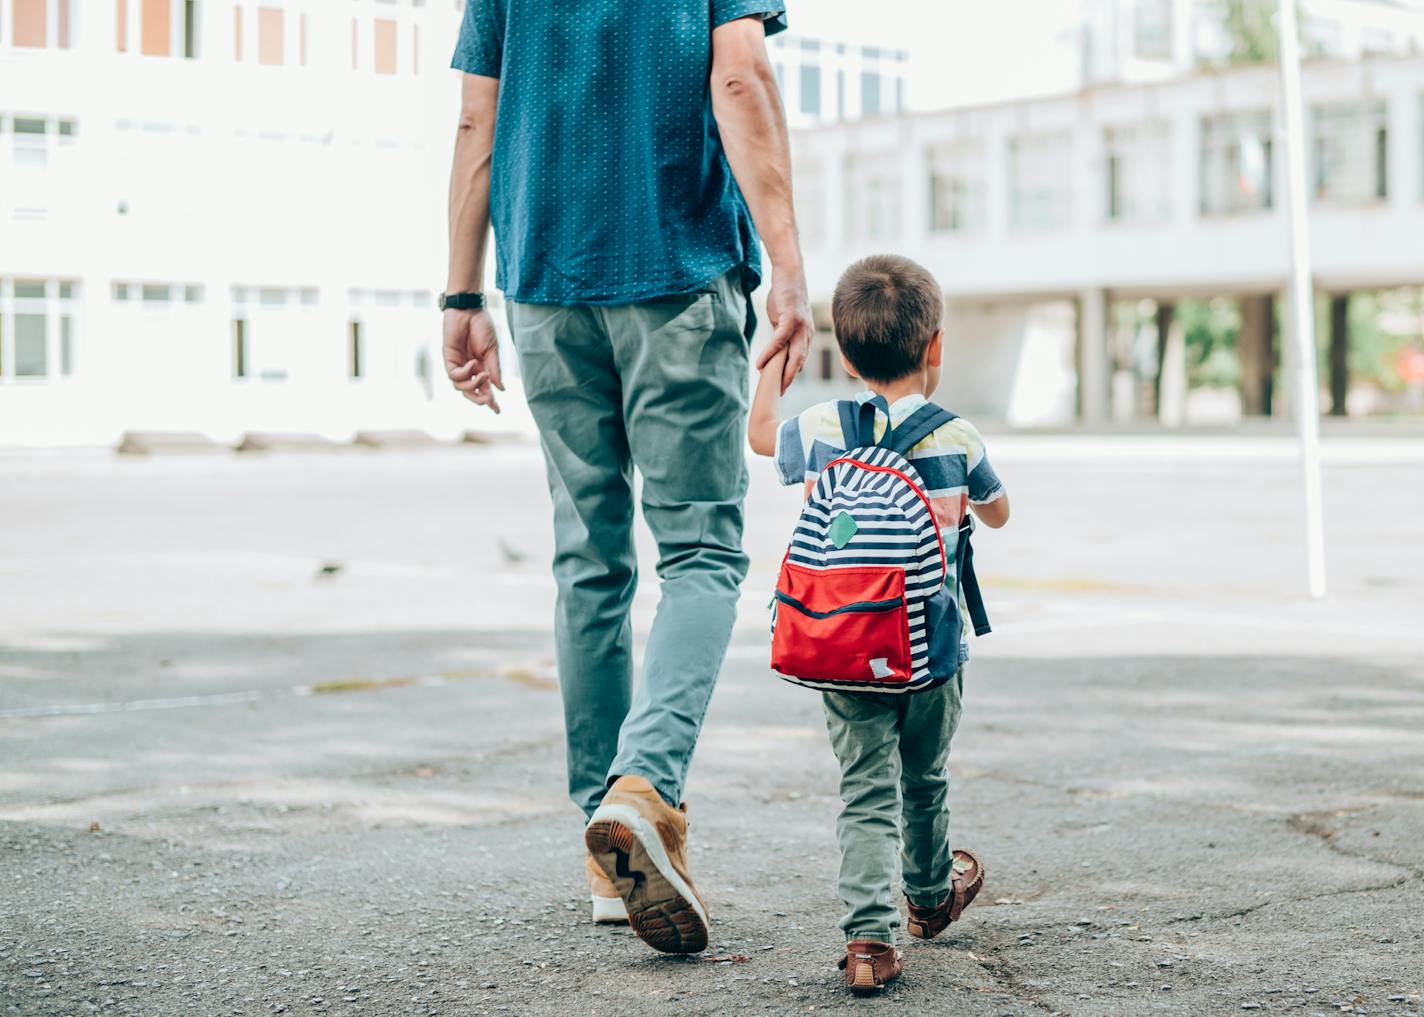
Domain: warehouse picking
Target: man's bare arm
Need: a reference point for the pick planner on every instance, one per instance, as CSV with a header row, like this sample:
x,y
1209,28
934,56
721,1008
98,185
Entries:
x,y
752,124
470,346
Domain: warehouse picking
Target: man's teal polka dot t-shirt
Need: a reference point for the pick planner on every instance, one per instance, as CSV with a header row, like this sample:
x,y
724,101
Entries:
x,y
609,184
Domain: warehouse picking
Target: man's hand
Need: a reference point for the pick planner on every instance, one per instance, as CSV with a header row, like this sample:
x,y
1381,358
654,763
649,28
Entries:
x,y
472,356
789,308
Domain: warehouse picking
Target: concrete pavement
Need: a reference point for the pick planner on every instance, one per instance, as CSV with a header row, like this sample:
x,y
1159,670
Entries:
x,y
281,735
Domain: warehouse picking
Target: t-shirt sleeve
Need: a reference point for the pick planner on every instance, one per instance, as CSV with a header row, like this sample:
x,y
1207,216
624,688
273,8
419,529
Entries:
x,y
772,13
984,484
790,454
480,48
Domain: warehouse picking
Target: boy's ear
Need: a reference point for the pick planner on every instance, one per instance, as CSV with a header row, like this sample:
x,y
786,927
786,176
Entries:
x,y
934,352
850,370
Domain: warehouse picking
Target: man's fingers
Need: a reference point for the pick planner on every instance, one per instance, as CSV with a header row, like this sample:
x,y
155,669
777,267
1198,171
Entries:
x,y
772,349
484,398
796,359
463,371
474,384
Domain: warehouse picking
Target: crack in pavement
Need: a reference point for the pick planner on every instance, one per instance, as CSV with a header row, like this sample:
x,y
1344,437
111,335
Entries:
x,y
1310,824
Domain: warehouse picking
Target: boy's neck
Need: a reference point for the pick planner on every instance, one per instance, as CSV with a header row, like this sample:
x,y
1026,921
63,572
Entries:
x,y
911,384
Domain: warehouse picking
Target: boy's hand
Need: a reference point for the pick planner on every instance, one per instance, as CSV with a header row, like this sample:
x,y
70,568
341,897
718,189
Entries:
x,y
775,364
472,356
788,305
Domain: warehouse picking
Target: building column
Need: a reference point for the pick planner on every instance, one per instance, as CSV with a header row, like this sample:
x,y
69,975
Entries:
x,y
1339,353
1171,381
1092,355
1257,349
1166,313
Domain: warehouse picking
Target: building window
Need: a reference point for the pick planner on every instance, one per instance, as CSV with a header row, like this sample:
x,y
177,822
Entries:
x,y
1351,153
39,24
385,344
956,182
1152,29
811,90
1138,171
37,144
271,327
840,95
873,196
869,93
157,24
828,361
1040,181
385,36
38,317
271,32
809,195
1237,163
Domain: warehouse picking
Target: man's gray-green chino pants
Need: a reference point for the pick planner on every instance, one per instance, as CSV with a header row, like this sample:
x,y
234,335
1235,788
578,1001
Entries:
x,y
660,387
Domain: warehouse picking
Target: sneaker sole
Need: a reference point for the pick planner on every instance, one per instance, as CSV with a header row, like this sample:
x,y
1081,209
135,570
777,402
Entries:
x,y
662,909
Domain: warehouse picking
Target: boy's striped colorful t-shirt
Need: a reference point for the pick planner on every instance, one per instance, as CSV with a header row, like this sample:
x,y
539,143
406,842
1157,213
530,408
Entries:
x,y
951,461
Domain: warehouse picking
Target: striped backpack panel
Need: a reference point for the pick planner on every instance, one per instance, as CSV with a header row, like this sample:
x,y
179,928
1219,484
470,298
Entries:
x,y
861,602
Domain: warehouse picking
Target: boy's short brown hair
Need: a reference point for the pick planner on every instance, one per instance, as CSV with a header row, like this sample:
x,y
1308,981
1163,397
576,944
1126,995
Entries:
x,y
885,310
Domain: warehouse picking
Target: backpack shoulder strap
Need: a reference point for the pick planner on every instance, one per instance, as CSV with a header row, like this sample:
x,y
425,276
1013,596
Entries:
x,y
918,426
969,582
858,421
850,422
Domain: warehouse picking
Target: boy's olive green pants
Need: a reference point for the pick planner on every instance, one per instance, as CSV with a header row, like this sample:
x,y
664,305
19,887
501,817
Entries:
x,y
659,386
894,790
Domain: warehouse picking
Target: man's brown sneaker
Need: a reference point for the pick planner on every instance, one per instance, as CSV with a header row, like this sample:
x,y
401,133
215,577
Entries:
x,y
640,843
608,907
869,966
966,876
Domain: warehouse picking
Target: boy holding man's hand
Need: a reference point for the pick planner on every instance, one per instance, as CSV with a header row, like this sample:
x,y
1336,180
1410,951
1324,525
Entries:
x,y
892,749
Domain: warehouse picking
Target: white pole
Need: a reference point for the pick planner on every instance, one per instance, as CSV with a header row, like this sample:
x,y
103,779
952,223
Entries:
x,y
1302,301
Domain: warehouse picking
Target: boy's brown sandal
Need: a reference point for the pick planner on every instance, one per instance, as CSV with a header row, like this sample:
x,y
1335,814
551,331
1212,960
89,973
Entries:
x,y
869,966
966,876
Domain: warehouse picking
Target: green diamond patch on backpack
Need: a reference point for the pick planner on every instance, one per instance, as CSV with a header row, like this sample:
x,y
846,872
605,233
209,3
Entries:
x,y
842,528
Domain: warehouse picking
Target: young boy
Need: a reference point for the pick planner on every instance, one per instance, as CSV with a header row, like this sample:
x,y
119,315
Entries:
x,y
892,748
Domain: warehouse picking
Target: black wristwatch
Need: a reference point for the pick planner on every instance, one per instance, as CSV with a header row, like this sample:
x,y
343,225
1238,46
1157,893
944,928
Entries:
x,y
462,301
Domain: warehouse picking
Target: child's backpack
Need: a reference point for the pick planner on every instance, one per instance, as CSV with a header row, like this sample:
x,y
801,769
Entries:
x,y
861,603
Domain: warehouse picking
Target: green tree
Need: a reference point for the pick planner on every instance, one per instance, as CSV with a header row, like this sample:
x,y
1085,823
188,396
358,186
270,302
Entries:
x,y
1250,30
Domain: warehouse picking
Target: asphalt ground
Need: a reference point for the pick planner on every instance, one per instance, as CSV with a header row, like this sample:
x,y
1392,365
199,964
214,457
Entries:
x,y
281,734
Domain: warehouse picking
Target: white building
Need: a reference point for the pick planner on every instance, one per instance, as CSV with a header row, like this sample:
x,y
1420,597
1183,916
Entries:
x,y
226,216
223,216
1037,215
828,82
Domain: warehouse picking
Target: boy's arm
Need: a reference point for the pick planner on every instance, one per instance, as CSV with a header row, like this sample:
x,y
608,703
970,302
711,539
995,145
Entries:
x,y
987,496
995,513
765,417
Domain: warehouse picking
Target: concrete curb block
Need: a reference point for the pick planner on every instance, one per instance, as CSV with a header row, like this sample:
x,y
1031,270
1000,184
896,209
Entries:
x,y
495,438
396,440
142,443
260,441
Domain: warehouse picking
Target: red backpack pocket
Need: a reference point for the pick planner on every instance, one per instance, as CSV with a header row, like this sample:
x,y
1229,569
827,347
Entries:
x,y
842,624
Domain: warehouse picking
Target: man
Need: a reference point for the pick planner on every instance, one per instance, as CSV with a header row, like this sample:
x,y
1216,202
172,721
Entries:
x,y
623,152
